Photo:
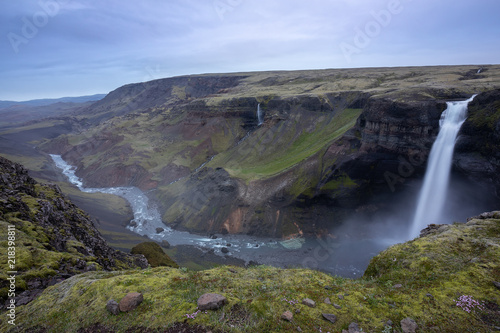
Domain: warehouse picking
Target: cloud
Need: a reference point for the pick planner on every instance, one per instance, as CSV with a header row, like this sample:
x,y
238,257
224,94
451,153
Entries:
x,y
95,46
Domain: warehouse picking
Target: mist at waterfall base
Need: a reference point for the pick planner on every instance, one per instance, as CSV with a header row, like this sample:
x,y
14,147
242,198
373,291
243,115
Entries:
x,y
346,257
391,222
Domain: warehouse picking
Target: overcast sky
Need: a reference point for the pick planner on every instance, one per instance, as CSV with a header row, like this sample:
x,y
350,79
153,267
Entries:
x,y
56,48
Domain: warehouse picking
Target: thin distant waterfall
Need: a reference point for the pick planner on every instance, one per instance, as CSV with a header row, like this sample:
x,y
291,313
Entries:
x,y
260,116
433,193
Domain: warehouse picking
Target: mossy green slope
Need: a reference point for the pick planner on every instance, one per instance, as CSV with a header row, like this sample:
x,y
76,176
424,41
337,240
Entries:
x,y
154,254
421,279
54,239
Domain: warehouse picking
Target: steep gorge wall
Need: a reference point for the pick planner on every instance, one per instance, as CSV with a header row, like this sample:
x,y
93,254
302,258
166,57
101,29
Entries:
x,y
293,174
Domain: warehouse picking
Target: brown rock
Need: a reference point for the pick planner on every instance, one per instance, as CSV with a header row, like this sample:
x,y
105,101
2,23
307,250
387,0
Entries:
x,y
398,286
211,302
130,302
287,315
112,306
408,325
309,302
336,306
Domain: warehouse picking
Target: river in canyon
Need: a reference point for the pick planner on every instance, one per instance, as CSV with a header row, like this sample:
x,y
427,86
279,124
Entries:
x,y
347,258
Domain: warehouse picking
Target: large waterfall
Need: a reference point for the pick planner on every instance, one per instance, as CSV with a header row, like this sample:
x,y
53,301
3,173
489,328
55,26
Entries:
x,y
432,196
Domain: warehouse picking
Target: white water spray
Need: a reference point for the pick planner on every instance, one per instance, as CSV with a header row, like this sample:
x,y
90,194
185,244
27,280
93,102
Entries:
x,y
433,193
260,117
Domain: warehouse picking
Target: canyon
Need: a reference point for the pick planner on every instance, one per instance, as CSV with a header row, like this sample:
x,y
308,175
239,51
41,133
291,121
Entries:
x,y
333,144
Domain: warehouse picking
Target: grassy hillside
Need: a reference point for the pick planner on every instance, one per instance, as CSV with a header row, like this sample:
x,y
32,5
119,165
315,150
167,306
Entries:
x,y
429,280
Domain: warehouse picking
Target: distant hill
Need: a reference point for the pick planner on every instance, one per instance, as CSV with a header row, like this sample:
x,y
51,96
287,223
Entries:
x,y
48,101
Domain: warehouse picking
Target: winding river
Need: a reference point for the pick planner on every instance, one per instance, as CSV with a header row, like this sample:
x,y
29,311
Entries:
x,y
346,258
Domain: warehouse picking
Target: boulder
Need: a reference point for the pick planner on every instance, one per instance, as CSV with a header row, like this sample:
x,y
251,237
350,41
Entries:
x,y
112,306
211,302
408,325
130,301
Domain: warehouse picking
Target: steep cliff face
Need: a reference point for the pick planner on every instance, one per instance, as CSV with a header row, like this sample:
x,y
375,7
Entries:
x,y
331,141
54,239
477,153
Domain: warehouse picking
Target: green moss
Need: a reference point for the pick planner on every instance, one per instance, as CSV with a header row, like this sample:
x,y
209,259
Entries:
x,y
342,181
154,254
270,151
486,117
434,271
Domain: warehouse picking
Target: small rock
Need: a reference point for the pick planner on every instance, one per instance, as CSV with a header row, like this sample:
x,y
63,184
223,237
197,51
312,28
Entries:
x,y
497,284
309,302
130,302
159,230
353,328
211,302
165,244
429,295
224,250
398,286
330,317
336,306
133,224
228,244
299,329
327,300
341,296
408,325
287,315
213,237
328,287
389,323
112,306
297,310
